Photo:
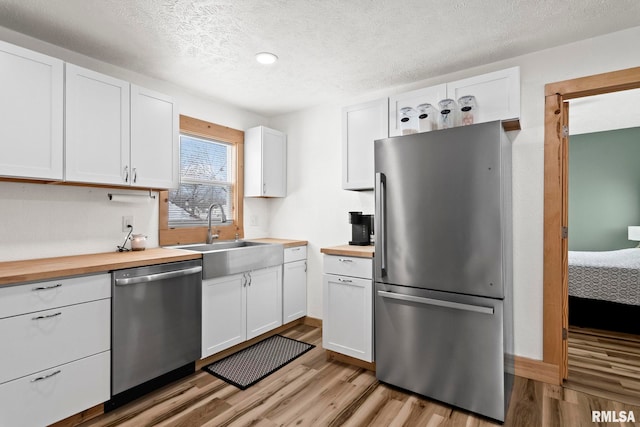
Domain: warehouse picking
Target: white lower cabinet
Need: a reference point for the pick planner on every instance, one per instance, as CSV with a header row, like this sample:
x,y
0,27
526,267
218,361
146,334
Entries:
x,y
45,397
224,318
239,307
294,284
264,301
58,361
347,324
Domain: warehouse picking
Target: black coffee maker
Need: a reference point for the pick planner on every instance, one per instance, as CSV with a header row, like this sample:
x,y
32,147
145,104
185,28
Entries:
x,y
361,228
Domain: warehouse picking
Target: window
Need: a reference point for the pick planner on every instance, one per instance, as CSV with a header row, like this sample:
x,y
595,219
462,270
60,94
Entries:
x,y
205,178
211,165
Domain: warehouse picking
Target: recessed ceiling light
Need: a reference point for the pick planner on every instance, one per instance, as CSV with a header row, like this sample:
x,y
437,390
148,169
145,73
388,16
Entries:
x,y
266,57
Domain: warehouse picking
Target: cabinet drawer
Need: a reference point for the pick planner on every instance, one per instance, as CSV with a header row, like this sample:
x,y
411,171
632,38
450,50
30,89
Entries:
x,y
348,266
63,391
20,299
295,254
44,339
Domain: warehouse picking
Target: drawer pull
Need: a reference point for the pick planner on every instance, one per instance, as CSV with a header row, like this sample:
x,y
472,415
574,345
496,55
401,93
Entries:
x,y
45,288
345,260
47,316
44,377
345,280
295,249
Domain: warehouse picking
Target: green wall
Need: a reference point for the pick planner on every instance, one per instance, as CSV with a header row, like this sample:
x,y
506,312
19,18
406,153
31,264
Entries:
x,y
604,189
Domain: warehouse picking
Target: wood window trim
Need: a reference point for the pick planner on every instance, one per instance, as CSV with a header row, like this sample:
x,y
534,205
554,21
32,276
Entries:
x,y
186,235
555,264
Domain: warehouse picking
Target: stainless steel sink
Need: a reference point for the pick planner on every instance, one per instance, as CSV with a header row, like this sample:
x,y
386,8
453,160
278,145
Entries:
x,y
227,257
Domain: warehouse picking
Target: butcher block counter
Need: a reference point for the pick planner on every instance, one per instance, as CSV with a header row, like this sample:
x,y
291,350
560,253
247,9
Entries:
x,y
287,243
12,272
349,250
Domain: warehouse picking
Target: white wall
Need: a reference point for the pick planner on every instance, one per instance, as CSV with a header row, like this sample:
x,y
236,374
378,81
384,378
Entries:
x,y
54,220
316,206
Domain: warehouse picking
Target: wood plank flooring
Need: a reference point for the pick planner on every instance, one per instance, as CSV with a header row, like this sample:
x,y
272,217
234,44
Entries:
x,y
312,391
605,364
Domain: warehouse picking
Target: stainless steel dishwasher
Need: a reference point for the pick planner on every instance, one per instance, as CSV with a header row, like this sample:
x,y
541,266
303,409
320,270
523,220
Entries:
x,y
156,324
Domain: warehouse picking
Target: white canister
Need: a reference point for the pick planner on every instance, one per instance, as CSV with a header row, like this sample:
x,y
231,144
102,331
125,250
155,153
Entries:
x,y
138,242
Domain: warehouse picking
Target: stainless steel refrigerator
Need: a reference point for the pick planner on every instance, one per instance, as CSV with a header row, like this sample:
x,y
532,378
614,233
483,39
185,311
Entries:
x,y
443,266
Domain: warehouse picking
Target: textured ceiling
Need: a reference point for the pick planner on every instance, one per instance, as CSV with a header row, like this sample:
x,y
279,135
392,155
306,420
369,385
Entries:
x,y
328,49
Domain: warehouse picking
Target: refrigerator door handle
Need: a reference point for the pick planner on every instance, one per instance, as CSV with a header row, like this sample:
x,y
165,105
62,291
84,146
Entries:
x,y
437,302
381,205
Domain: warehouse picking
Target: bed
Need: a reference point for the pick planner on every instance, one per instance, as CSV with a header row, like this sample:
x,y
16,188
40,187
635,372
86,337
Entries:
x,y
604,290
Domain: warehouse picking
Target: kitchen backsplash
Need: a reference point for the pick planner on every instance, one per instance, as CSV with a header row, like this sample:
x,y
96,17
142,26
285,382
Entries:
x,y
40,221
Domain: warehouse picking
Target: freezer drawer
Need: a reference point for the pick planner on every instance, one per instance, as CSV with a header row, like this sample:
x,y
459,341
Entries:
x,y
445,346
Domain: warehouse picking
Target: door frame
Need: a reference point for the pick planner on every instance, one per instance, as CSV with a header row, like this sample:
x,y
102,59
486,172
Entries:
x,y
555,264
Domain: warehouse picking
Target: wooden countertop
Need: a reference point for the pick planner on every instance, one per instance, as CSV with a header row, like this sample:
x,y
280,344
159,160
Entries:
x,y
349,250
288,243
12,272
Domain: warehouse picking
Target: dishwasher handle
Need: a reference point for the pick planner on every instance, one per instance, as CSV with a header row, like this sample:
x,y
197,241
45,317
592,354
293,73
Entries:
x,y
437,302
157,276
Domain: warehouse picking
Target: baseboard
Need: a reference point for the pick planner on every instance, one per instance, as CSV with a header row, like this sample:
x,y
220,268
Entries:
x,y
533,369
80,417
312,321
339,357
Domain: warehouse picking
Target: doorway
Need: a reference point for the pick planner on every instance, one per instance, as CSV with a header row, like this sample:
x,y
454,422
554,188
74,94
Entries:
x,y
555,264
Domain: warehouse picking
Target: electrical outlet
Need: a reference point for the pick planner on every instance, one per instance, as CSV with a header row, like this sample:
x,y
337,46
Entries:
x,y
126,222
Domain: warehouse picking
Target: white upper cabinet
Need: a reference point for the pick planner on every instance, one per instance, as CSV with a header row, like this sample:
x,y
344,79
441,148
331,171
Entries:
x,y
154,139
97,128
361,125
117,133
428,95
265,162
32,108
497,94
497,97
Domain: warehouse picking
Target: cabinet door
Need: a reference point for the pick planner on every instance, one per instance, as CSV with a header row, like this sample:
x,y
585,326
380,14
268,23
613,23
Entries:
x,y
361,125
264,301
497,94
274,163
154,139
31,107
223,313
428,95
265,161
347,325
294,290
97,128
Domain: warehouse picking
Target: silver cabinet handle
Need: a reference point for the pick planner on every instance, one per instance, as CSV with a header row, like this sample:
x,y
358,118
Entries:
x,y
305,266
244,280
135,175
344,280
345,260
380,226
250,278
158,276
46,288
47,316
126,173
295,249
44,377
264,188
437,302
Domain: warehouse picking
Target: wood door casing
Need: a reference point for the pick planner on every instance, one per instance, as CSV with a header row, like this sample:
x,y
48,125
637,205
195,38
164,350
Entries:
x,y
555,266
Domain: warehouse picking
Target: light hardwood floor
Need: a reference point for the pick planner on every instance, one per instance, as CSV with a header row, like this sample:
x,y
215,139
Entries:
x,y
314,392
606,364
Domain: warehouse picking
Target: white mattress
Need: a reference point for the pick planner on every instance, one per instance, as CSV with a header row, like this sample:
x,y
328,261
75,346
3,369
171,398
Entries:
x,y
611,276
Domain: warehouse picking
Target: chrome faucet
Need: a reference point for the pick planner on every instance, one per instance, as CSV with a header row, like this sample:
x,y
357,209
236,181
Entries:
x,y
211,236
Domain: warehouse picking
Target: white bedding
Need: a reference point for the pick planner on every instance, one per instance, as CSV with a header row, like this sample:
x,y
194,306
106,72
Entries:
x,y
611,276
